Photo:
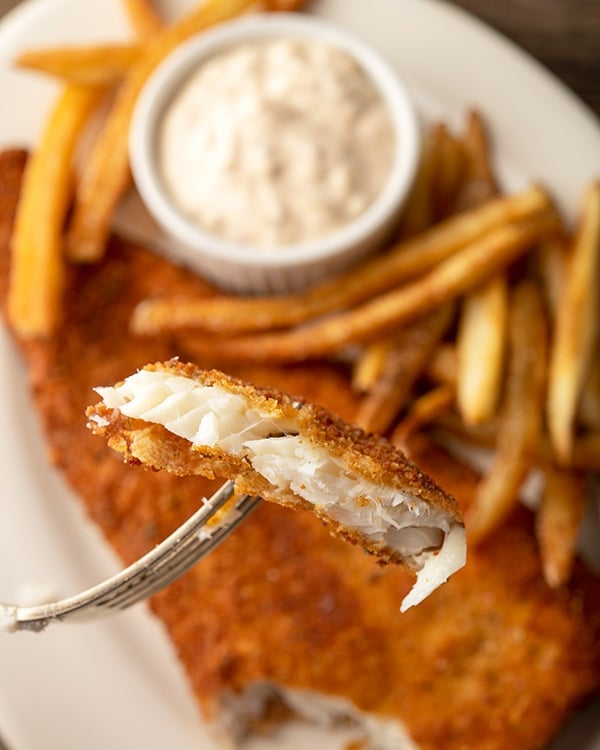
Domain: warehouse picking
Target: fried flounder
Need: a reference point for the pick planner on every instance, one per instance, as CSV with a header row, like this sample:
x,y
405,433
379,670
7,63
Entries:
x,y
189,421
493,659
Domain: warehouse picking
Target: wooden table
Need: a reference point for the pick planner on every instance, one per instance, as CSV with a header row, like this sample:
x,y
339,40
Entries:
x,y
563,34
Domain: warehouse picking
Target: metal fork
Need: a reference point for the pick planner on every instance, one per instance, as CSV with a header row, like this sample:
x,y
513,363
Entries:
x,y
151,573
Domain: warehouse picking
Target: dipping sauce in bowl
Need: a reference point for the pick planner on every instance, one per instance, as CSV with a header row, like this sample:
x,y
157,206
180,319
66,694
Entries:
x,y
274,151
275,143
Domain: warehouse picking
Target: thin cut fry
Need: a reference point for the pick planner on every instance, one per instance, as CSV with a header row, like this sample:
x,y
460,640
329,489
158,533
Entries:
x,y
479,181
419,212
286,5
143,16
426,409
403,262
473,264
37,273
520,421
480,347
576,328
450,169
589,407
558,521
482,327
586,447
402,365
443,366
93,66
368,367
107,170
586,452
551,262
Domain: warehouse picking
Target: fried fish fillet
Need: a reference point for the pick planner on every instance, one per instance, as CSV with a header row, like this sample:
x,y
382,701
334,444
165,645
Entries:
x,y
283,611
189,421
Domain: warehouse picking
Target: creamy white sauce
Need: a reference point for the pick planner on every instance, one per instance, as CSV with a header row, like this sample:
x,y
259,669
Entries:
x,y
276,143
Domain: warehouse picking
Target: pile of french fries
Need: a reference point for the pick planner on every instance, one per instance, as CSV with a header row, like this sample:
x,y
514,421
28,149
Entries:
x,y
479,324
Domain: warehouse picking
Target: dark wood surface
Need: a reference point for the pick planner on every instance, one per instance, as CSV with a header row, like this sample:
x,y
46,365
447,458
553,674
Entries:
x,y
562,34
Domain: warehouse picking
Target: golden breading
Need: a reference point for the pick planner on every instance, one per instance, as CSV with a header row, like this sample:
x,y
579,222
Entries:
x,y
176,417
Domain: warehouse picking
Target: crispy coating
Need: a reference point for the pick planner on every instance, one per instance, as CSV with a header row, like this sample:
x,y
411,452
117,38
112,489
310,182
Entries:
x,y
368,456
493,659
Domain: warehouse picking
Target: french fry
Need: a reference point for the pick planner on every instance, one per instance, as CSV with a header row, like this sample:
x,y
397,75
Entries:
x,y
37,271
368,367
589,406
419,212
143,16
404,361
91,66
586,447
576,329
425,409
443,365
551,262
403,262
450,169
482,326
558,522
285,5
520,420
106,175
451,425
586,452
479,181
480,347
380,316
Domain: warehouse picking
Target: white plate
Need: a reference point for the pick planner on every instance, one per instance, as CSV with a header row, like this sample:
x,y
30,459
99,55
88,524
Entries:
x,y
117,684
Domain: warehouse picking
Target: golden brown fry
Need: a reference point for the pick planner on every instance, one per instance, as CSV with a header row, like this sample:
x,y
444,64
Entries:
x,y
482,326
450,169
143,16
404,261
520,420
106,175
443,365
480,347
103,65
285,5
551,262
558,521
402,365
425,409
479,181
37,272
369,365
466,269
419,212
586,452
576,330
586,448
589,406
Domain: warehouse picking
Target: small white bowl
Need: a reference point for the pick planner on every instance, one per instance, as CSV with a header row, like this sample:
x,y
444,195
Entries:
x,y
244,268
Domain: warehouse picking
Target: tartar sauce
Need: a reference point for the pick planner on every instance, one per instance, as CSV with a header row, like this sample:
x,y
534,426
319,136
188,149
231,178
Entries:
x,y
276,142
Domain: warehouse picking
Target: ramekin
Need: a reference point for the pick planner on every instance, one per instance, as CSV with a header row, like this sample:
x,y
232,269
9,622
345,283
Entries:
x,y
244,268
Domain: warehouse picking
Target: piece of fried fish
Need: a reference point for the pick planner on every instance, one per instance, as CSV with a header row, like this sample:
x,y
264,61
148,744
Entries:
x,y
189,421
284,619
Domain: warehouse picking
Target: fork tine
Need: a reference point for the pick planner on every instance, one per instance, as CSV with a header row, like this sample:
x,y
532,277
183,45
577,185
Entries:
x,y
149,574
183,558
161,554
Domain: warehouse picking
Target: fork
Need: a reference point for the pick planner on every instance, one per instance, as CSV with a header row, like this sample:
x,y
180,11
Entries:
x,y
148,575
